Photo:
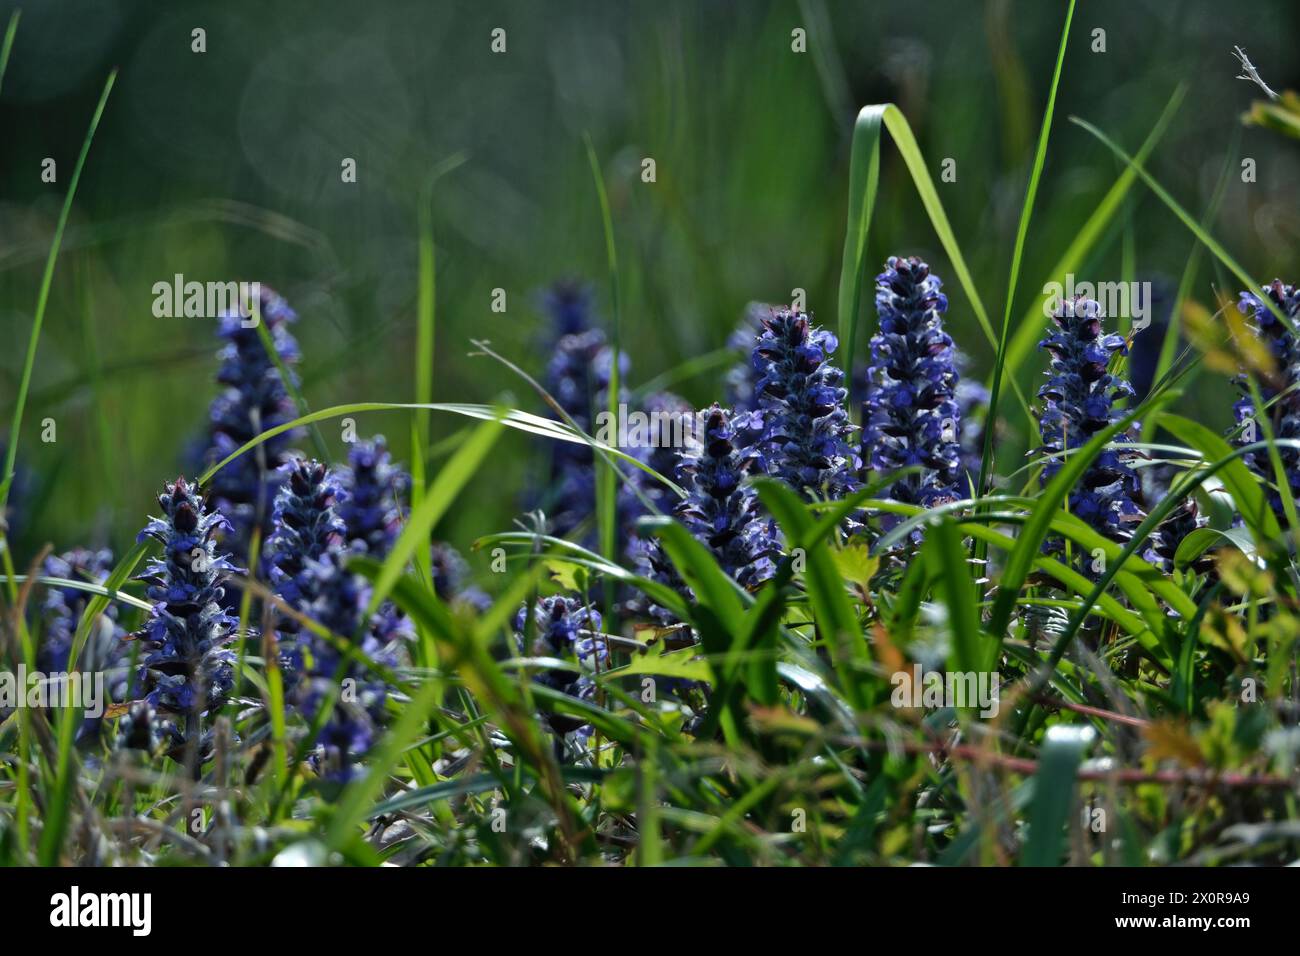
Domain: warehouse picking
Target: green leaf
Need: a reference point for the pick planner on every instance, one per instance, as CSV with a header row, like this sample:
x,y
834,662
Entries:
x,y
1063,750
1022,231
1085,238
837,623
856,564
916,583
971,650
1045,510
47,277
718,607
1246,491
454,476
1187,220
1196,544
864,177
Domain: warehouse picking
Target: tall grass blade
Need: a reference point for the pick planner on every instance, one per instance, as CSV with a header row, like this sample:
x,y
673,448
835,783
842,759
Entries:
x,y
1022,231
606,480
1218,251
1032,325
47,279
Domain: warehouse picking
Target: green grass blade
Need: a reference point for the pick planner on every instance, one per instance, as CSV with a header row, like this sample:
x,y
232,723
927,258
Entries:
x,y
8,46
1049,503
1169,345
1247,494
864,177
1022,231
453,477
1054,787
1032,325
78,585
970,650
47,279
716,607
837,622
512,418
607,478
1218,251
1181,489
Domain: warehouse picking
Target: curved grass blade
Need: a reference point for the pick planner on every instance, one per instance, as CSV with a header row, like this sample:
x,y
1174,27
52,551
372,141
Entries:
x,y
976,526
1169,345
1247,495
1185,485
717,605
662,595
453,477
498,695
863,182
76,585
510,417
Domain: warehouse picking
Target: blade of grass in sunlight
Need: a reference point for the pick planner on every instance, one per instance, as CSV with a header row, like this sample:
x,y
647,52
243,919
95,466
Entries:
x,y
490,686
1046,507
452,478
425,345
716,604
1181,488
512,418
1084,240
864,178
1249,498
78,585
1169,345
1022,231
8,45
606,488
1186,218
47,279
837,623
1054,785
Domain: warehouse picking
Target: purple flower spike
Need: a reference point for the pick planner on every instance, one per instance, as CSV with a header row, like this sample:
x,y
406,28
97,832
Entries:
x,y
255,398
1078,401
805,427
187,665
911,416
1282,390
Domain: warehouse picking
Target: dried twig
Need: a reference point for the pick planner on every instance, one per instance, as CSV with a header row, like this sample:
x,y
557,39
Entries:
x,y
1249,73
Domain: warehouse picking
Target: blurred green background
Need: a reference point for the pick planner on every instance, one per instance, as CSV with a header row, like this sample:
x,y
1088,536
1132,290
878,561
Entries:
x,y
226,165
